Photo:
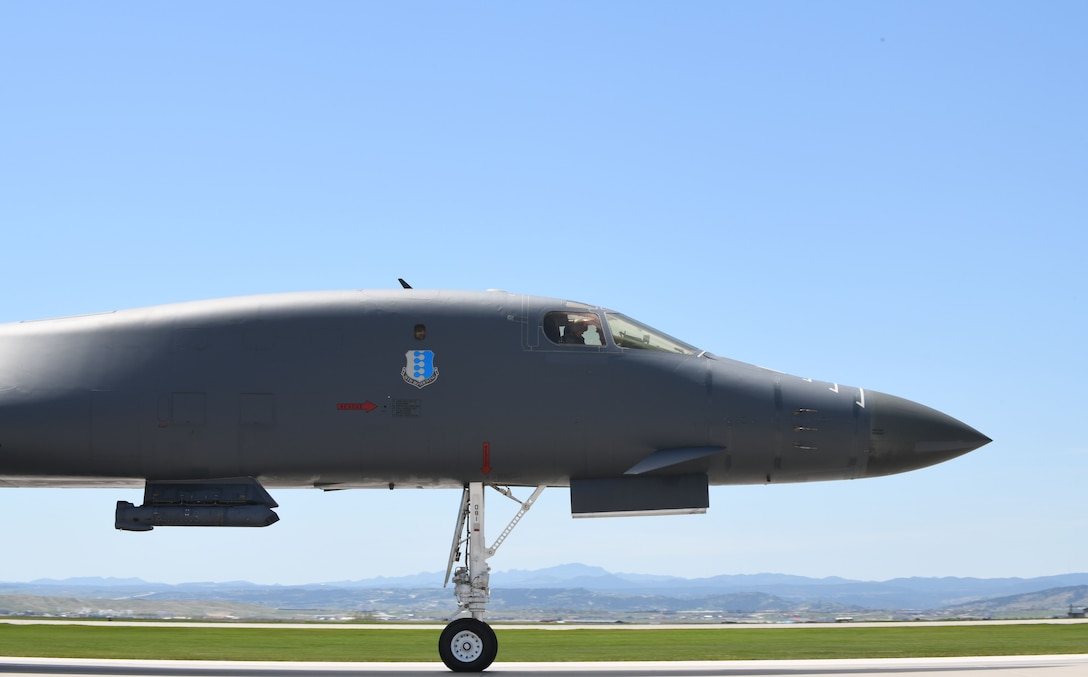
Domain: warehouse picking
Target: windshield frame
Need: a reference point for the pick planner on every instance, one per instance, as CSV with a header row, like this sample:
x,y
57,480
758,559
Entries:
x,y
634,335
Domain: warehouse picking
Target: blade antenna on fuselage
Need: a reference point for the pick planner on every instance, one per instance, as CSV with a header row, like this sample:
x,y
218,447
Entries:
x,y
403,283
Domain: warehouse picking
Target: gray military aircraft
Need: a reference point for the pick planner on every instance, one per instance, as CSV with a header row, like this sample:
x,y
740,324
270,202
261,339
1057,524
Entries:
x,y
205,404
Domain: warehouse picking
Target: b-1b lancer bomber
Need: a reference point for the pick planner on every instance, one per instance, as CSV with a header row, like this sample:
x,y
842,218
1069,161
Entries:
x,y
207,405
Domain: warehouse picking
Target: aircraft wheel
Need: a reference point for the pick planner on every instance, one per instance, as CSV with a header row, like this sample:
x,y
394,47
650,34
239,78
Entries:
x,y
468,645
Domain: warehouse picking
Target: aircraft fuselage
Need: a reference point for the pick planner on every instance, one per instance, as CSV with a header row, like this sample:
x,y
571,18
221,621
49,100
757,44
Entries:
x,y
424,388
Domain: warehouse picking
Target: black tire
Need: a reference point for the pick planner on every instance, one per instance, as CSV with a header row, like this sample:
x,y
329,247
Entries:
x,y
468,645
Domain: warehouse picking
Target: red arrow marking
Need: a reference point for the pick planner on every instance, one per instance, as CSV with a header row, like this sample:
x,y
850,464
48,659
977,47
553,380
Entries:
x,y
367,406
487,458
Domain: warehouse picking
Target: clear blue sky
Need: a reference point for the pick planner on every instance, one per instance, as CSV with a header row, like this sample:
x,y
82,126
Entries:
x,y
892,195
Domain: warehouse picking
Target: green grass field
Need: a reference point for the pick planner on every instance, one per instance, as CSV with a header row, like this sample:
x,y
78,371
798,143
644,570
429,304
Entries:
x,y
373,644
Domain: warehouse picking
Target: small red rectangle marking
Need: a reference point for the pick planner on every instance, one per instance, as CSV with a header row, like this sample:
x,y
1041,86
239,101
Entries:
x,y
367,406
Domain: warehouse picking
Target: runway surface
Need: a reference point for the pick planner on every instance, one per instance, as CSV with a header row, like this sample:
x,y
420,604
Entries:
x,y
532,626
979,666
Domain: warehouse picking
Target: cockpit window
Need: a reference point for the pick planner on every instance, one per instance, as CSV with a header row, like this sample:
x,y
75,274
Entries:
x,y
628,333
569,328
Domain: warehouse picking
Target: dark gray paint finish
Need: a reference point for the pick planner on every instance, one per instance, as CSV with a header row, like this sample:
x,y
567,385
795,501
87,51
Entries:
x,y
257,387
670,493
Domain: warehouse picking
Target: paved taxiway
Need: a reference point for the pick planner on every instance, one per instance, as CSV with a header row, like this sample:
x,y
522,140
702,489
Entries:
x,y
534,626
979,666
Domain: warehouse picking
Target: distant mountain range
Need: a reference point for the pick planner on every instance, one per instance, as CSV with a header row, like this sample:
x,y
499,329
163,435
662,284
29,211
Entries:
x,y
566,591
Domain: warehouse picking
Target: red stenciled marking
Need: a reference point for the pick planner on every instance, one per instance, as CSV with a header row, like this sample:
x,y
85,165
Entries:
x,y
487,458
367,406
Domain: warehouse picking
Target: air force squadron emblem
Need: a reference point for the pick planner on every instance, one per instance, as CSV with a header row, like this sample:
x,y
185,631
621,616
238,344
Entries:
x,y
419,370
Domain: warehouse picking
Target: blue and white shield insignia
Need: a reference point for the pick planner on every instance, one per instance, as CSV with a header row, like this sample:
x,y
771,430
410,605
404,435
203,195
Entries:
x,y
419,370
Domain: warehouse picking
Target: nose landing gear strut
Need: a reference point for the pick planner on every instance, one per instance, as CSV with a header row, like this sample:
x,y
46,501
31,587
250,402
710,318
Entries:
x,y
469,644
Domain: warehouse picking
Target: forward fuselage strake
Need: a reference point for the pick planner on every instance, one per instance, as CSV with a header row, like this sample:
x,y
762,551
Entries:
x,y
424,388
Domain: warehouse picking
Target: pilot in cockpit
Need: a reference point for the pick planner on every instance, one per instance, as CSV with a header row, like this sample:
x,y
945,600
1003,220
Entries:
x,y
574,332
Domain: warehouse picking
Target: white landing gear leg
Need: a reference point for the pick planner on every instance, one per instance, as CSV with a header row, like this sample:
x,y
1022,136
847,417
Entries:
x,y
469,644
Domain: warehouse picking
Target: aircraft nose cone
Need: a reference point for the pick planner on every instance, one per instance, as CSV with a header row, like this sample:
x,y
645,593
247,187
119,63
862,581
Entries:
x,y
906,435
